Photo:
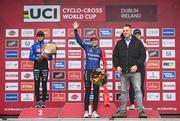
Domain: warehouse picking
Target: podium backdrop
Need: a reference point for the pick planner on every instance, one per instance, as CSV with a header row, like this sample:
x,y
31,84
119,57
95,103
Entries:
x,y
21,19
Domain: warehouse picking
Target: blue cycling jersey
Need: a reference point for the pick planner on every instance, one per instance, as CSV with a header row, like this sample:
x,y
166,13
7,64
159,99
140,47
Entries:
x,y
93,55
36,51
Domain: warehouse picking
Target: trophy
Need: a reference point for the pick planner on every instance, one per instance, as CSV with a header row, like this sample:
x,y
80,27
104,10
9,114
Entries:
x,y
49,48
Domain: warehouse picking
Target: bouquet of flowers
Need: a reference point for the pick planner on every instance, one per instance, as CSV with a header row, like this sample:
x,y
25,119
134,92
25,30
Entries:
x,y
99,77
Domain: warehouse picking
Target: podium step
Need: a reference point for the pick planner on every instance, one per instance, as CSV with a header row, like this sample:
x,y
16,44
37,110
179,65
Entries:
x,y
106,112
40,113
76,110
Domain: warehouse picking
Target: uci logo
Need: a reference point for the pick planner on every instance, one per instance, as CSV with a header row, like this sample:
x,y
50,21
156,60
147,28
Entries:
x,y
42,13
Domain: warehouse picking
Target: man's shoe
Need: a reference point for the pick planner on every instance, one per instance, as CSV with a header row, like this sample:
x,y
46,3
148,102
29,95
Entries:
x,y
95,115
38,105
142,114
117,111
132,107
86,114
43,105
120,115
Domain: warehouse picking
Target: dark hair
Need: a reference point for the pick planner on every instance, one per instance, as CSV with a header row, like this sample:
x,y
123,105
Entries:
x,y
122,36
137,31
128,25
40,33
